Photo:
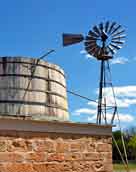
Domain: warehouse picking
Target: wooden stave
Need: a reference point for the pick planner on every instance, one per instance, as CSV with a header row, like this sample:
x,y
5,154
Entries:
x,y
35,111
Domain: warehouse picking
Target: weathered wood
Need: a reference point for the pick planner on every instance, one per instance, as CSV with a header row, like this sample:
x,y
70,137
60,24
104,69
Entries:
x,y
46,96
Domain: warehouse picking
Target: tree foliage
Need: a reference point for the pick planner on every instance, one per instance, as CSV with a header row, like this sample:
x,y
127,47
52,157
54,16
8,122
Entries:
x,y
130,144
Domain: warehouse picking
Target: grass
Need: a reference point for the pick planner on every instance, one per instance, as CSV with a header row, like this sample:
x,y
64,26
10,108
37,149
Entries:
x,y
120,167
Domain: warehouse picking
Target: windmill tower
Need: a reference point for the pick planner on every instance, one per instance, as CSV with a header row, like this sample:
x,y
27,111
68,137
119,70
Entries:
x,y
102,42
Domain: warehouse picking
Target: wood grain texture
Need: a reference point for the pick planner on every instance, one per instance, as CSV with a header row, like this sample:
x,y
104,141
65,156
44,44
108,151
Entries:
x,y
44,98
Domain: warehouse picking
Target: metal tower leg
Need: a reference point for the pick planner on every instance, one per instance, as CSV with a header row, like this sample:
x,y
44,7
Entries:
x,y
99,109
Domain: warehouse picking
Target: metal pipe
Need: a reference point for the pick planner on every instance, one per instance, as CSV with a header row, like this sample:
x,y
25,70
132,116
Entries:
x,y
99,109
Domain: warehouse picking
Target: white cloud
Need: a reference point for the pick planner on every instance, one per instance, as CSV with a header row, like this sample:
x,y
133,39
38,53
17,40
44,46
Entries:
x,y
93,104
125,95
88,56
91,119
126,91
85,111
125,118
121,102
125,102
116,60
82,52
119,60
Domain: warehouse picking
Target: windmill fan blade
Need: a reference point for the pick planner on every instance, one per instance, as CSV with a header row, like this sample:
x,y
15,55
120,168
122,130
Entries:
x,y
117,28
111,27
101,26
90,48
88,38
93,34
90,43
117,42
118,33
119,37
96,30
99,51
69,39
111,50
94,50
107,26
115,46
91,38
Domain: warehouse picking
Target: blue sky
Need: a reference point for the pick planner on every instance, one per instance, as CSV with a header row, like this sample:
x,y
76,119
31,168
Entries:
x,y
30,28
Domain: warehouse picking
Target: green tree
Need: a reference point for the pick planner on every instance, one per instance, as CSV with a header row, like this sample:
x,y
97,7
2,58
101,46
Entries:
x,y
132,146
117,136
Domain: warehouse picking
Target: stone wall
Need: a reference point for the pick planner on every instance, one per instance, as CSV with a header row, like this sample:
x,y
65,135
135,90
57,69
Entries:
x,y
28,151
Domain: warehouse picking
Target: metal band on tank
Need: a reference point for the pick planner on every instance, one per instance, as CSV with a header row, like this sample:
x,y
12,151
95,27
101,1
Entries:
x,y
42,65
36,90
32,103
29,76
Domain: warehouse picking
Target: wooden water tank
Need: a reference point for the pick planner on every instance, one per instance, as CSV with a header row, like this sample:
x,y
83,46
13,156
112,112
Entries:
x,y
44,98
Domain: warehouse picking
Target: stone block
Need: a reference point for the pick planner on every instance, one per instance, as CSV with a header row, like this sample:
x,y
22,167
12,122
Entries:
x,y
59,167
2,168
103,147
11,157
98,167
36,156
92,156
53,167
20,145
3,145
44,146
62,147
106,156
91,147
56,157
39,167
82,166
73,156
77,147
19,167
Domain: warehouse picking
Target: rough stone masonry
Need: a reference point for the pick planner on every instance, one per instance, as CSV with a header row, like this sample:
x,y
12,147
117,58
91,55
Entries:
x,y
34,146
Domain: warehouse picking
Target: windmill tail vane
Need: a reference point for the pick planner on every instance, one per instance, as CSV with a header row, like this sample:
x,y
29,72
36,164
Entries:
x,y
69,39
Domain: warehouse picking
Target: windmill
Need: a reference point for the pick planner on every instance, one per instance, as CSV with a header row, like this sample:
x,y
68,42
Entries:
x,y
102,42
